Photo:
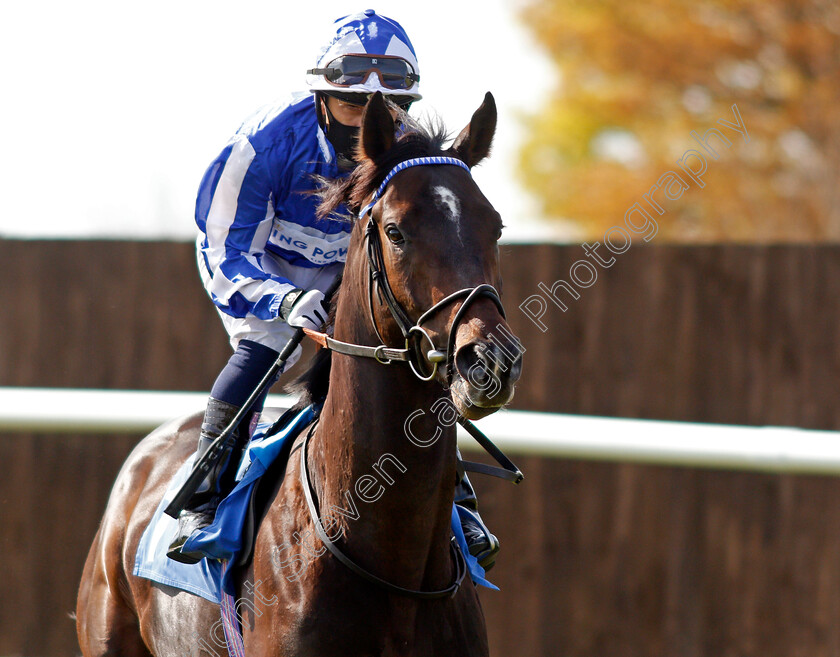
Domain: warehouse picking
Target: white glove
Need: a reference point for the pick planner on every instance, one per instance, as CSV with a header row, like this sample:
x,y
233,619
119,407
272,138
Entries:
x,y
309,311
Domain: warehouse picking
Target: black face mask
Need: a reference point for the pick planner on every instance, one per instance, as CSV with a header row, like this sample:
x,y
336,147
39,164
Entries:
x,y
343,139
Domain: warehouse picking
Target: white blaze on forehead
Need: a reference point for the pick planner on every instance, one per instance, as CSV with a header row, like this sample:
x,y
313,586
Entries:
x,y
449,205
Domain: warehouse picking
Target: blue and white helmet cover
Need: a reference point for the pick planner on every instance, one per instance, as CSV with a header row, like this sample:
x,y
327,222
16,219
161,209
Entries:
x,y
367,33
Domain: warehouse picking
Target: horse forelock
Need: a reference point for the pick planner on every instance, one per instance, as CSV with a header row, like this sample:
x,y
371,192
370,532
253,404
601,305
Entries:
x,y
417,140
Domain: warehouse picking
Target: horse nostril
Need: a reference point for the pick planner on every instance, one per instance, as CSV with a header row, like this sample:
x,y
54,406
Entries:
x,y
469,362
486,366
497,360
490,359
486,376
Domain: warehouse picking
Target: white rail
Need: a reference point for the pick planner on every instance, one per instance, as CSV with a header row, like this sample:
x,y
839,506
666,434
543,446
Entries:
x,y
64,410
767,449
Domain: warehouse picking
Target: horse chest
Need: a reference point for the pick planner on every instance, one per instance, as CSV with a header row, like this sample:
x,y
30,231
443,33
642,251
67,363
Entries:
x,y
342,618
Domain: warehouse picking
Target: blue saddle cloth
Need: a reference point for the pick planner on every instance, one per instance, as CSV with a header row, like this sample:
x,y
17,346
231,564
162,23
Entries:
x,y
223,540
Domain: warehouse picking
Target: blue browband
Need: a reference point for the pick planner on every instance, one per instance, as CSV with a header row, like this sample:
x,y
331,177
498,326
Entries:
x,y
417,161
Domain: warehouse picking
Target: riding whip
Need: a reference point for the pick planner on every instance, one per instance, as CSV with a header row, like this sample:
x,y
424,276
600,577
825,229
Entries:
x,y
206,461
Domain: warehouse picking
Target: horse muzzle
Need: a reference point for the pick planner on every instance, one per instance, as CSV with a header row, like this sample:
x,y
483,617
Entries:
x,y
485,374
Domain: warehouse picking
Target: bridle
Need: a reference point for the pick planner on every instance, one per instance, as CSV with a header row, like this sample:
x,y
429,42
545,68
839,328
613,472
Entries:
x,y
378,285
414,334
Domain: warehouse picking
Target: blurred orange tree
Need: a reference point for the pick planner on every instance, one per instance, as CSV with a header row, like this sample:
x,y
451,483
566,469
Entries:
x,y
636,78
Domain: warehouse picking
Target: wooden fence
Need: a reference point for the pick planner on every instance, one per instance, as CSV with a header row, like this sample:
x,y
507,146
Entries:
x,y
598,559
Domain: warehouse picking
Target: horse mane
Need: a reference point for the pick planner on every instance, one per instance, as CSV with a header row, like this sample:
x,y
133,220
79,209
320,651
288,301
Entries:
x,y
416,140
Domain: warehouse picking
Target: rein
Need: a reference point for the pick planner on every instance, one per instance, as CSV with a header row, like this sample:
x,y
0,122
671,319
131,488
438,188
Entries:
x,y
457,555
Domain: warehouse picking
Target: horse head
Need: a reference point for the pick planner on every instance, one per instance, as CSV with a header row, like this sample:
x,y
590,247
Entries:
x,y
432,261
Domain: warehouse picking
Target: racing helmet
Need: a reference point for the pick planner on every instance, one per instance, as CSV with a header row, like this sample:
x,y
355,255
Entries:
x,y
368,53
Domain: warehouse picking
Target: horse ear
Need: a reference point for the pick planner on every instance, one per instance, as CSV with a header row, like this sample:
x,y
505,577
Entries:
x,y
377,135
473,144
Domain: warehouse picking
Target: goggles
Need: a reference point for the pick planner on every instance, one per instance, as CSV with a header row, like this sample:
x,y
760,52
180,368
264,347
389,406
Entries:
x,y
349,70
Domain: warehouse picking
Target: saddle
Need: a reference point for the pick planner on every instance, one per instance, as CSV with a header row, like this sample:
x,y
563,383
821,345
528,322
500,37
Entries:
x,y
260,498
230,538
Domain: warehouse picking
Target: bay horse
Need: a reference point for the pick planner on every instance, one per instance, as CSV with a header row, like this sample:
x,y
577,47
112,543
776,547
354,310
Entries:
x,y
422,261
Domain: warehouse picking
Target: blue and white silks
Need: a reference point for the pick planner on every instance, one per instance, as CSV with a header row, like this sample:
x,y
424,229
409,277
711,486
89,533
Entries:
x,y
254,208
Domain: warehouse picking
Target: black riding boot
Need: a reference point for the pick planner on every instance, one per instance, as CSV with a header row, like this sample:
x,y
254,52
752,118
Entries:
x,y
200,510
481,543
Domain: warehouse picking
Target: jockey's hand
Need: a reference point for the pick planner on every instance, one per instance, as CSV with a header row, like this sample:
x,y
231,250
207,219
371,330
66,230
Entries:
x,y
308,311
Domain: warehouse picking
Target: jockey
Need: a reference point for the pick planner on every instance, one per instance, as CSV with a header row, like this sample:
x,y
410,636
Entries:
x,y
264,256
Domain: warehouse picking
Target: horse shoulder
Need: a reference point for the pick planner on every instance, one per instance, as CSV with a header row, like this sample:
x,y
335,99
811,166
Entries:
x,y
283,558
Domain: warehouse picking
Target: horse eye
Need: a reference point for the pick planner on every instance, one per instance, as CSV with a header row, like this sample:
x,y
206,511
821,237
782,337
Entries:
x,y
393,233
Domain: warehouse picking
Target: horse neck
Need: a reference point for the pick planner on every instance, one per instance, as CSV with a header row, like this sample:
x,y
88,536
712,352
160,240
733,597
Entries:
x,y
402,493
